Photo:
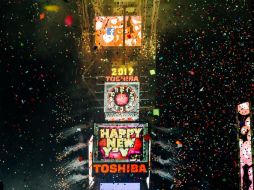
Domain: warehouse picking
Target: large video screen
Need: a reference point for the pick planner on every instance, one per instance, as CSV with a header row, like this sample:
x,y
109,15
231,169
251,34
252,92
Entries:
x,y
246,166
119,186
121,101
109,31
133,31
121,142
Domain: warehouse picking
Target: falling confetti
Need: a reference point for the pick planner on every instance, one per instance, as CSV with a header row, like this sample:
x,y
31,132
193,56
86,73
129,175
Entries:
x,y
52,8
42,16
203,70
68,20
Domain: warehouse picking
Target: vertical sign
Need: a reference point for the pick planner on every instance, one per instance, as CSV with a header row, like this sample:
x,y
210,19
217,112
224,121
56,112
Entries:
x,y
244,124
90,161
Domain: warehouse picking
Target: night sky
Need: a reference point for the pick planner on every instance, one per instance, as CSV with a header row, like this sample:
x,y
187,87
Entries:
x,y
203,72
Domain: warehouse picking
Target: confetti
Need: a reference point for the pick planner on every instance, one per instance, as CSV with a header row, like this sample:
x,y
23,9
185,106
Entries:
x,y
68,20
52,8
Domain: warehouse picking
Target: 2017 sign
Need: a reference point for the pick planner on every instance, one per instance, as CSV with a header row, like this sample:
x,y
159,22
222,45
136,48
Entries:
x,y
122,71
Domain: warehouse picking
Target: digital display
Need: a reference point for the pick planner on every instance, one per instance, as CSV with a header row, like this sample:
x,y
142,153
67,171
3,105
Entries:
x,y
120,142
121,101
109,31
244,123
119,186
133,31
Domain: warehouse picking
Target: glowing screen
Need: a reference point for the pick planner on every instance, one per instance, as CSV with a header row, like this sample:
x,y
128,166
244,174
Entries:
x,y
121,101
119,186
120,142
109,31
246,171
133,31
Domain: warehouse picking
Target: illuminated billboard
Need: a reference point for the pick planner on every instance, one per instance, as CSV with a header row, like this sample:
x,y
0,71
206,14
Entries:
x,y
109,31
133,31
121,101
244,124
120,143
119,186
120,148
109,168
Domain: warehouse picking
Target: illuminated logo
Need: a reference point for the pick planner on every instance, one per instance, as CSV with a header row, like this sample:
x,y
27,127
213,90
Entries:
x,y
120,168
111,31
122,79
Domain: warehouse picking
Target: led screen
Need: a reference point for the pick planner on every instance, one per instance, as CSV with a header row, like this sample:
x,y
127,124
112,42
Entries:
x,y
120,142
133,31
246,171
109,31
119,186
121,101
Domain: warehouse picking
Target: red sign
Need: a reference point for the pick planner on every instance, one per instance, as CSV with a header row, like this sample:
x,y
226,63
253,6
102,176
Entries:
x,y
122,79
120,168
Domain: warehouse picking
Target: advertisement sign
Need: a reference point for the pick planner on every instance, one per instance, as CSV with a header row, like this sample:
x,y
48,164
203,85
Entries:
x,y
246,167
122,79
120,148
120,168
120,143
121,101
109,30
133,31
